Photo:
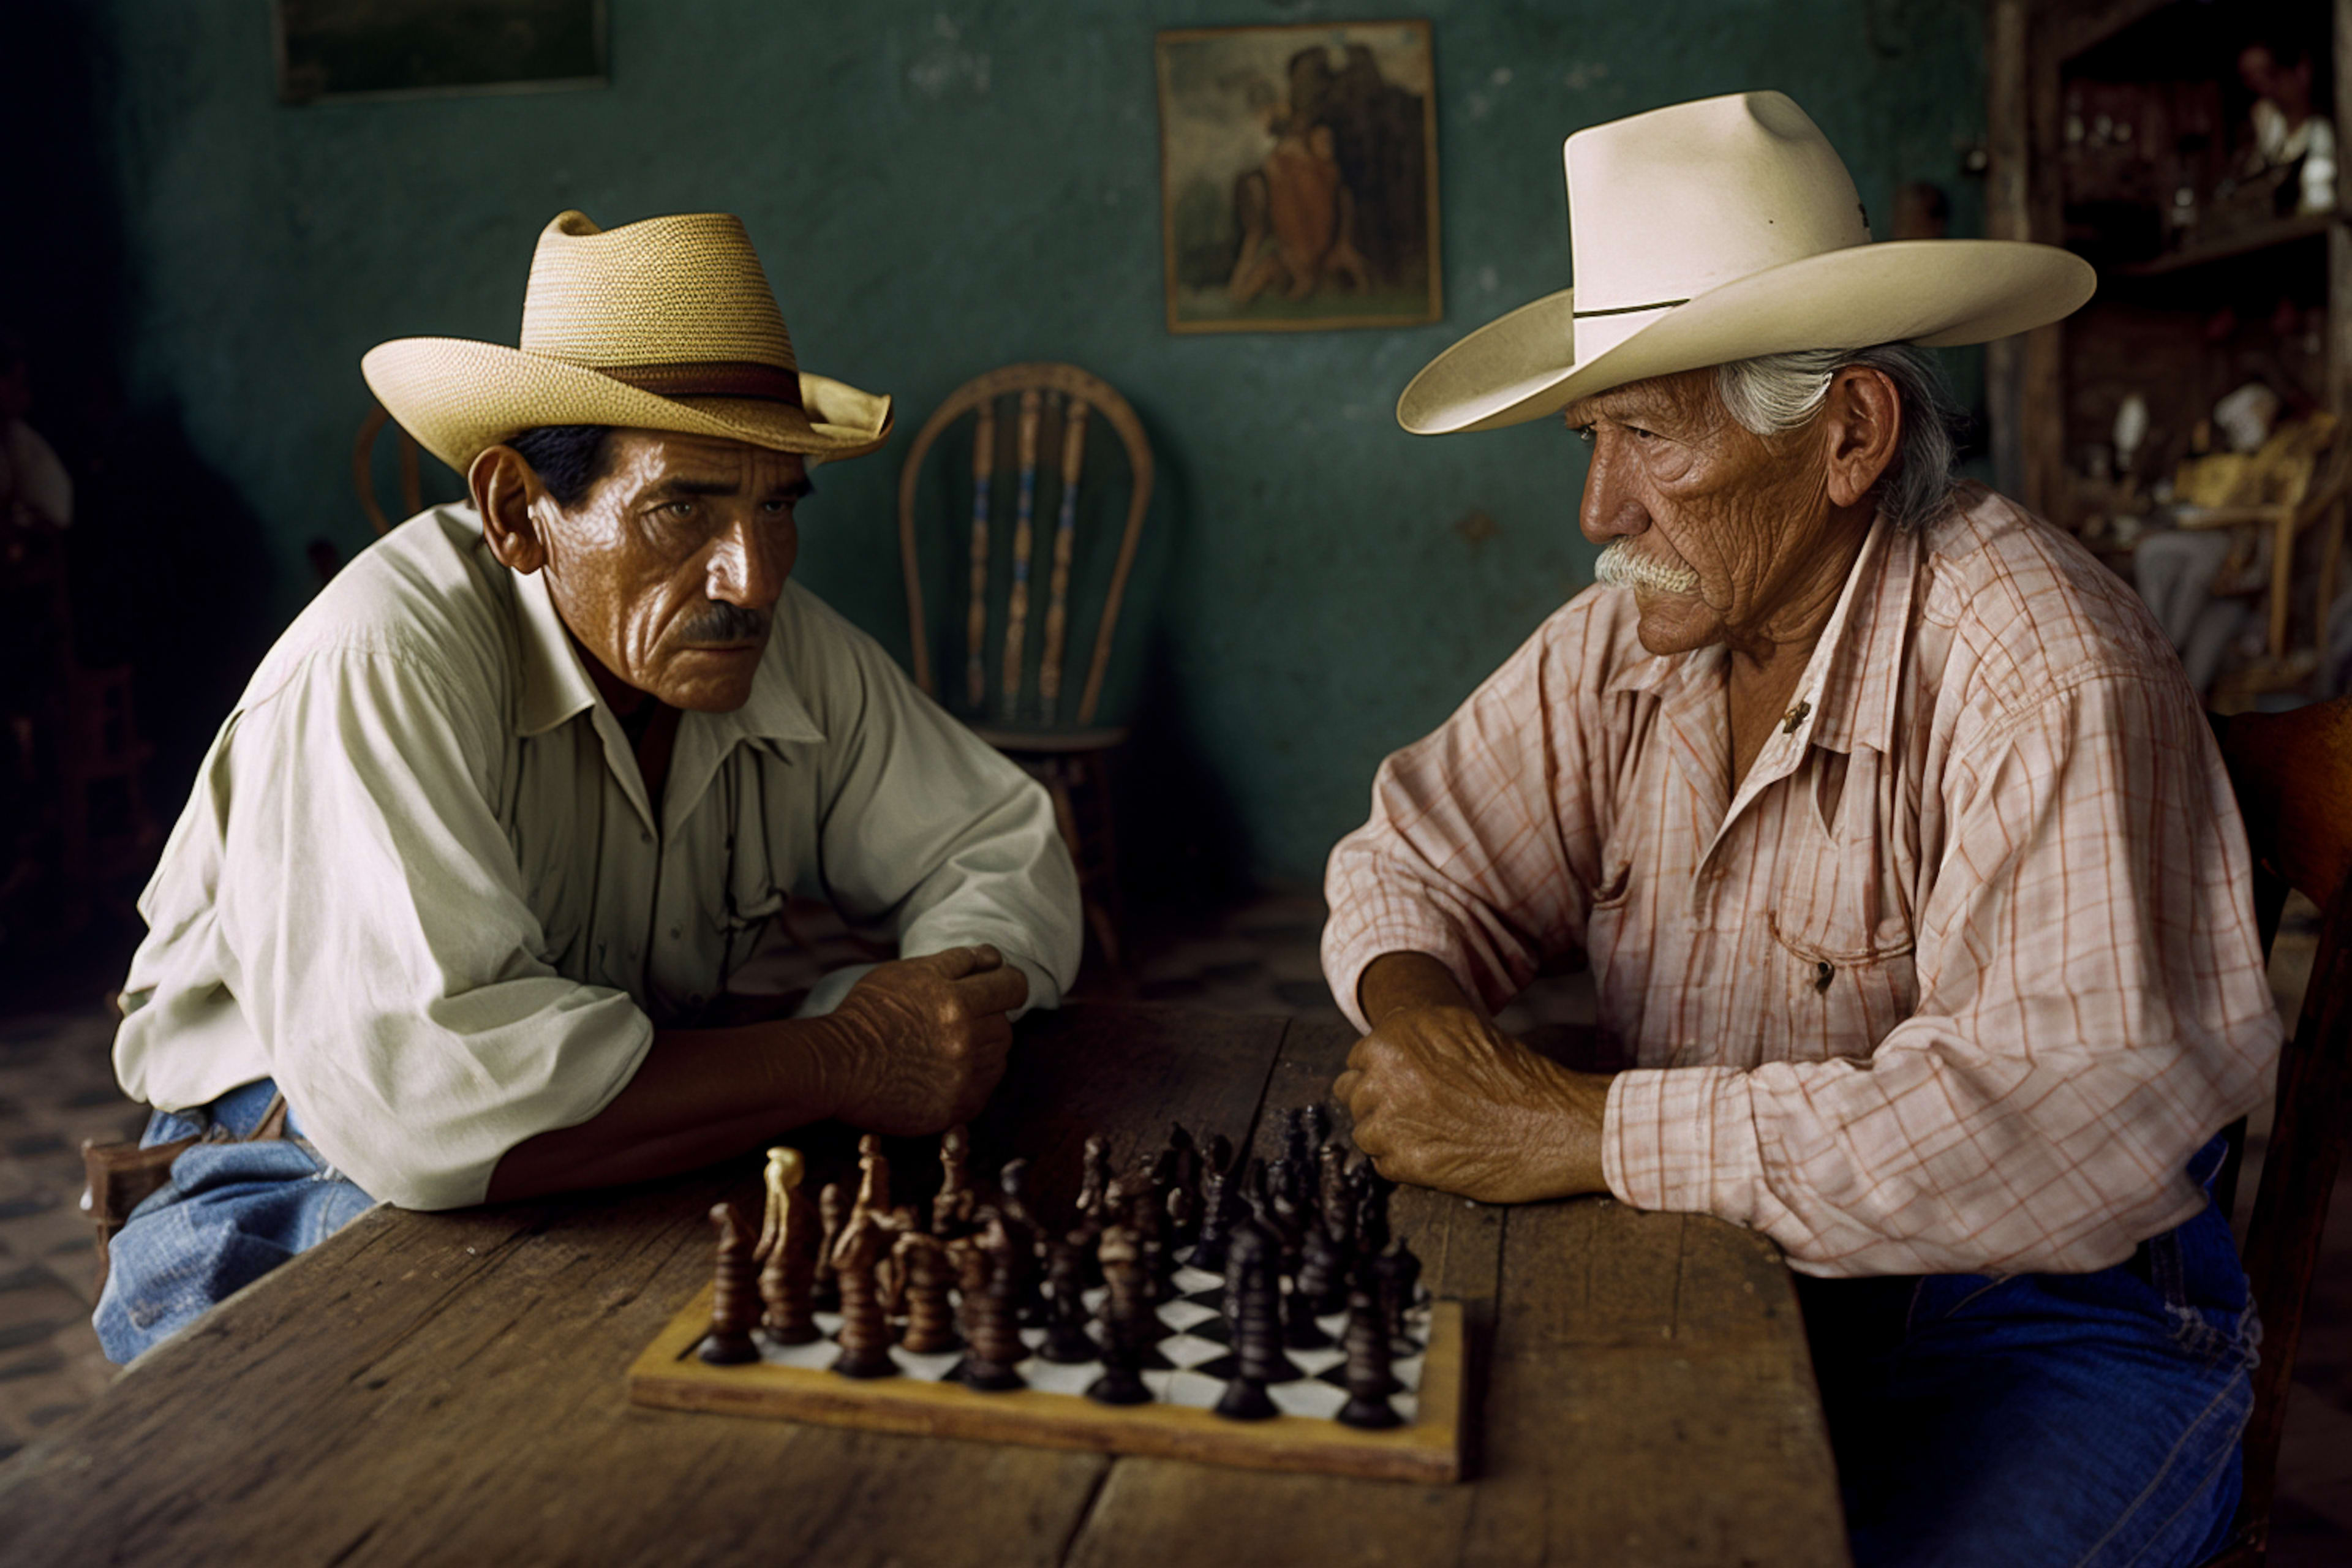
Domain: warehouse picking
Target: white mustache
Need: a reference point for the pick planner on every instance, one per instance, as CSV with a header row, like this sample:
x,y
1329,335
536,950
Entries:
x,y
1618,564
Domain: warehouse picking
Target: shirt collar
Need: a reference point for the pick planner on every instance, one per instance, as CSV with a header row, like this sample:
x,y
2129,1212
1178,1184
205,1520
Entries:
x,y
1850,683
556,686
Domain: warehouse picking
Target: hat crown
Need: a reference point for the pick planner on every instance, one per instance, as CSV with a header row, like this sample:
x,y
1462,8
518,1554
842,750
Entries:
x,y
668,290
1667,205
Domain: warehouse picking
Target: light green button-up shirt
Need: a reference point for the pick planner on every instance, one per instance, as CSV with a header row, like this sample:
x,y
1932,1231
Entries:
x,y
420,883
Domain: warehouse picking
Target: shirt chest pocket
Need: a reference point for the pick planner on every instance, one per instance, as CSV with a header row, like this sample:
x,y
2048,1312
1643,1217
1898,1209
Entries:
x,y
1839,987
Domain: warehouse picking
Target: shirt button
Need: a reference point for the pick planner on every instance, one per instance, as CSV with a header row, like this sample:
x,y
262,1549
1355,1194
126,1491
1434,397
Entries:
x,y
644,836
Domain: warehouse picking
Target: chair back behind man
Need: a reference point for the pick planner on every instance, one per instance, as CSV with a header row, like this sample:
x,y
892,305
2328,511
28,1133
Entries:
x,y
2293,775
363,467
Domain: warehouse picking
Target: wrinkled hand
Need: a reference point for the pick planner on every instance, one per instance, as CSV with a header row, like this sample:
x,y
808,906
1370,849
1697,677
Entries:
x,y
1443,1098
918,1044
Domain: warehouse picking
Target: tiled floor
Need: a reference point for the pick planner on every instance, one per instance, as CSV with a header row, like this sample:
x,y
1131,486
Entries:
x,y
57,1088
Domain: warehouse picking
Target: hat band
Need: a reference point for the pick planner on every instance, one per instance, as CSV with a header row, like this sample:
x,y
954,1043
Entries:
x,y
712,378
1629,309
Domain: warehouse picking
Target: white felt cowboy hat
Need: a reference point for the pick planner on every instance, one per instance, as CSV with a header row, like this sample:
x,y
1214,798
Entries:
x,y
667,324
1720,230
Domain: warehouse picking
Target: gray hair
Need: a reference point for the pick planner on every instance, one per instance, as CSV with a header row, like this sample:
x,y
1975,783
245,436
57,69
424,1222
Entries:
x,y
1778,393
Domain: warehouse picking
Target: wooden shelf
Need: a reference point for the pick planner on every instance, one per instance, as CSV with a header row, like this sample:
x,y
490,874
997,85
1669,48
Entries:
x,y
2261,236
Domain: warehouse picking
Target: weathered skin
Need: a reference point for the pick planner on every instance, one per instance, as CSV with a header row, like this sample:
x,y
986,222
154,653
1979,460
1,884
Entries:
x,y
1769,529
667,573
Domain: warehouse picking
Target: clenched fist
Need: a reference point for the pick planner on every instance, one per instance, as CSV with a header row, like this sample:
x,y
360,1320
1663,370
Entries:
x,y
1443,1098
916,1045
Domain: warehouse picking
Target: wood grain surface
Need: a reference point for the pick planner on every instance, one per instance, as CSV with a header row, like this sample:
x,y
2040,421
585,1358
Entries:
x,y
442,1388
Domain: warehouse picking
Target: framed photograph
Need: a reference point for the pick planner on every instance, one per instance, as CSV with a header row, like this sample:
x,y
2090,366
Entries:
x,y
331,49
1298,177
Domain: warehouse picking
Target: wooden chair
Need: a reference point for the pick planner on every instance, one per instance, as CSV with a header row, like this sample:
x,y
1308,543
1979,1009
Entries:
x,y
2293,773
1030,443
411,484
2285,521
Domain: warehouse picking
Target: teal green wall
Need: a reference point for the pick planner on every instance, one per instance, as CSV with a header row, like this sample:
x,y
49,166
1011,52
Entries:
x,y
941,188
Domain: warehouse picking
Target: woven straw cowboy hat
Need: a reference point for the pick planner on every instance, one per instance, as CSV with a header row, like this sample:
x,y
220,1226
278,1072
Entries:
x,y
1720,230
667,324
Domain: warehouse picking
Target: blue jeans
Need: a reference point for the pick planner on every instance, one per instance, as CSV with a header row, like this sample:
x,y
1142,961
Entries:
x,y
2043,1418
230,1212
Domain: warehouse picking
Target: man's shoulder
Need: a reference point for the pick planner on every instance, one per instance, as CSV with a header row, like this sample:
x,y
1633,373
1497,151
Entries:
x,y
428,596
2029,608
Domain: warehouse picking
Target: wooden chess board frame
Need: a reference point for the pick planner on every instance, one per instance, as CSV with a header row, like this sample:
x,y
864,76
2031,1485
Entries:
x,y
669,1375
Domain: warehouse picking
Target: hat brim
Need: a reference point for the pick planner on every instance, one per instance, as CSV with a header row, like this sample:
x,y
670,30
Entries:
x,y
1937,292
459,397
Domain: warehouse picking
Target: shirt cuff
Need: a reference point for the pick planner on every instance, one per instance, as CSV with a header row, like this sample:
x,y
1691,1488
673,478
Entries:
x,y
1682,1141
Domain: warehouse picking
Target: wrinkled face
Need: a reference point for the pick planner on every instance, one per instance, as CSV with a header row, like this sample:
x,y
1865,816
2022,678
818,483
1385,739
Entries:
x,y
668,569
1707,521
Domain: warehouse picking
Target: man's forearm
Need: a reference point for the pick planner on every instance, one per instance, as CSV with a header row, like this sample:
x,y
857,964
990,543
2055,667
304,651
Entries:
x,y
701,1095
1396,981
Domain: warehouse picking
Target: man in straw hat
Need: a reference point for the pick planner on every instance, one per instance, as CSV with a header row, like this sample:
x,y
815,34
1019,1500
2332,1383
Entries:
x,y
462,884
1909,878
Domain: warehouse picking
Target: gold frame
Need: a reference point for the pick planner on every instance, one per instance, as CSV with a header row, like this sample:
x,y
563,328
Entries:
x,y
1434,305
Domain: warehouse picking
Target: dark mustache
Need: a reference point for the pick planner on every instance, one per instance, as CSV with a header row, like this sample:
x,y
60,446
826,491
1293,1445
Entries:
x,y
720,621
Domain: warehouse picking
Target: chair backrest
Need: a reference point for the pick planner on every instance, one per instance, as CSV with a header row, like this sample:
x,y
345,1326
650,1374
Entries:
x,y
411,484
2293,775
1035,455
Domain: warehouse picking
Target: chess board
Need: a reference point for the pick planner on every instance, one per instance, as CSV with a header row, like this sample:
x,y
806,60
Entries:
x,y
1186,1372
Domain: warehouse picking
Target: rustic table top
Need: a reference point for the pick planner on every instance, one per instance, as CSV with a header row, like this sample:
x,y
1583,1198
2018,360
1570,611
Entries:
x,y
452,1387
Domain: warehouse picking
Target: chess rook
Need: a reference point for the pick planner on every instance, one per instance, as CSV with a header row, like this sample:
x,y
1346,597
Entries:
x,y
1370,1380
734,1300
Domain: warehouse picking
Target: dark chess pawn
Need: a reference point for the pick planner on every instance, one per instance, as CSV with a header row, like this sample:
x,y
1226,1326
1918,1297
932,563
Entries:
x,y
1322,1277
1254,1311
864,1333
1066,1340
1297,1143
788,1277
1369,1381
1336,1196
1394,1275
1318,1127
1183,1203
1094,1179
832,1212
873,1177
734,1297
1025,1237
1217,1209
951,1209
925,1276
991,1321
1127,1321
1373,1191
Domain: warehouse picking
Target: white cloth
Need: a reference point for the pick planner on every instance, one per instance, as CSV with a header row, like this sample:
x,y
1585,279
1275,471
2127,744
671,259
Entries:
x,y
418,881
35,489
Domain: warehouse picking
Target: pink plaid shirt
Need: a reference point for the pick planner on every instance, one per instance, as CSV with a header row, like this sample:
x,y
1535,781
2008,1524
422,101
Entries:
x,y
1959,978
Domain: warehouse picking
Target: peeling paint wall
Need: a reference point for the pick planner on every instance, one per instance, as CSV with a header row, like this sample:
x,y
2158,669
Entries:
x,y
937,189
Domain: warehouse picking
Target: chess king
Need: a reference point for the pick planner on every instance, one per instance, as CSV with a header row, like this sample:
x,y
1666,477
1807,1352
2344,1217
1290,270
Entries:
x,y
1910,879
465,878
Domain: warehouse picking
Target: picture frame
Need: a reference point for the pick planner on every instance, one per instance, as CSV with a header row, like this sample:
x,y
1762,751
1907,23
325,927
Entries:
x,y
353,50
1298,177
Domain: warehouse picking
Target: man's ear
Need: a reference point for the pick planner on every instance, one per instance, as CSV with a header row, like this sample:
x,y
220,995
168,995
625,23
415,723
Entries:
x,y
1862,431
506,494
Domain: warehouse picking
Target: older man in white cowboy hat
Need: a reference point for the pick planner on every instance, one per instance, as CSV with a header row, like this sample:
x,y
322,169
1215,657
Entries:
x,y
1909,878
462,885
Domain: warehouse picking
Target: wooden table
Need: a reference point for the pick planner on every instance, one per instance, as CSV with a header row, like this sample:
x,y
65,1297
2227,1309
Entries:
x,y
450,1388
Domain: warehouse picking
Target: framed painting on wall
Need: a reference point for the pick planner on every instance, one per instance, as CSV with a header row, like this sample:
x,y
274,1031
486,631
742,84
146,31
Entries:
x,y
1298,177
329,49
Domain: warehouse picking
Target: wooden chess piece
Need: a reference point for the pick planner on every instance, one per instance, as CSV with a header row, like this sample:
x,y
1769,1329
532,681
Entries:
x,y
1254,1311
1373,1191
1094,1178
734,1297
865,1332
1026,1238
788,1275
1066,1340
832,1209
1337,1198
1127,1310
1370,1380
1318,1127
1322,1279
873,1177
951,1210
1217,1208
992,1325
1298,1145
1143,1219
1183,1201
1394,1276
771,1217
925,1277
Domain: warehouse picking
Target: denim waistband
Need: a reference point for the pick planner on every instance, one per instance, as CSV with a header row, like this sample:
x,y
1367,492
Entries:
x,y
238,1112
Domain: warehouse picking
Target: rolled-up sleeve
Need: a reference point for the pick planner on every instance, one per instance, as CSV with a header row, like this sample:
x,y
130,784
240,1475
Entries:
x,y
385,949
2092,1009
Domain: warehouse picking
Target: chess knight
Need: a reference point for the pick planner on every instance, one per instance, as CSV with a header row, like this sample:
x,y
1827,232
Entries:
x,y
1910,878
459,896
